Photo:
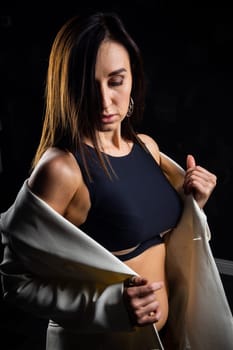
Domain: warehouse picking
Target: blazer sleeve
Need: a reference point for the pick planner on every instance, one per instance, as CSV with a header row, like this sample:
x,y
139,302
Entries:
x,y
72,304
54,270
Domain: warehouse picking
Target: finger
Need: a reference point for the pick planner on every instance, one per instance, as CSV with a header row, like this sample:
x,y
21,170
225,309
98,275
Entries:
x,y
148,289
148,317
200,174
137,281
148,303
190,161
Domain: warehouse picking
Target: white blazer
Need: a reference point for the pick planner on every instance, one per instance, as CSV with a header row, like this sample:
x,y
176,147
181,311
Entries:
x,y
53,269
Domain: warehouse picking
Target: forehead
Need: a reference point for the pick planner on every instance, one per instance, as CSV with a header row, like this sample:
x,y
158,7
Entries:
x,y
111,56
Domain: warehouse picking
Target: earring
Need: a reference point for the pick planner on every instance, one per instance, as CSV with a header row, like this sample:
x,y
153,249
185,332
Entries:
x,y
131,108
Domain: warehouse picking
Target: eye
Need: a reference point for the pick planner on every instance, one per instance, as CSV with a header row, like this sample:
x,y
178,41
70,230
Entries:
x,y
116,81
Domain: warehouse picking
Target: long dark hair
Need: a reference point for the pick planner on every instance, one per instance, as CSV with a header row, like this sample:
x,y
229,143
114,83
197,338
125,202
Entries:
x,y
71,94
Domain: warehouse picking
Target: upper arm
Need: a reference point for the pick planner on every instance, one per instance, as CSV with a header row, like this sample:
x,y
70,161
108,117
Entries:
x,y
56,179
151,145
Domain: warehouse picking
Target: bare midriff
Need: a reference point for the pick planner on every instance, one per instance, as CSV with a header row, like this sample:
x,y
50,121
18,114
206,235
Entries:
x,y
151,265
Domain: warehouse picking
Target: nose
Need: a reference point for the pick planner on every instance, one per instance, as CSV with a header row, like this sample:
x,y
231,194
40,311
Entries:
x,y
106,97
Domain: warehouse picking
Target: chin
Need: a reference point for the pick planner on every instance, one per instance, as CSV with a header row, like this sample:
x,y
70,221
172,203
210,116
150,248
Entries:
x,y
105,128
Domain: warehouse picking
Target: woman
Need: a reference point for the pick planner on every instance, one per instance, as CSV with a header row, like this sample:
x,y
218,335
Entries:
x,y
96,180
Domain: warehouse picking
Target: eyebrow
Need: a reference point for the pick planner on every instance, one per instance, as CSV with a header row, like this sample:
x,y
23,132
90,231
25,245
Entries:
x,y
117,71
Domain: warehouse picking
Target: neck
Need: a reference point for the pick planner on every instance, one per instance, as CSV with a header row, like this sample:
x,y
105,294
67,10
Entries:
x,y
112,144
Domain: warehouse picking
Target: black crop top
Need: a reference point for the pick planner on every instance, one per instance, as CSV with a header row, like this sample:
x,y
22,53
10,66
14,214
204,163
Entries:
x,y
133,209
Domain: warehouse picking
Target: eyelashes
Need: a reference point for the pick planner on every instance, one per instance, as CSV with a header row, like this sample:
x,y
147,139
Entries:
x,y
116,83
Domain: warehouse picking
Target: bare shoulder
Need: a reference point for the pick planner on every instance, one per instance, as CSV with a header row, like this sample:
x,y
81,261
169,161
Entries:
x,y
56,178
152,146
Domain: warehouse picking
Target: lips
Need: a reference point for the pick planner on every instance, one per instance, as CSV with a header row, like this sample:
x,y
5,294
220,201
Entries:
x,y
107,118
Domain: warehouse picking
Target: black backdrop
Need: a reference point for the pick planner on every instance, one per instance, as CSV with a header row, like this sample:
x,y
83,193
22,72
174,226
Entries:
x,y
188,59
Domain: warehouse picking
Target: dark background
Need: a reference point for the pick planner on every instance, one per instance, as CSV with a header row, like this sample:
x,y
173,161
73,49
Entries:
x,y
188,58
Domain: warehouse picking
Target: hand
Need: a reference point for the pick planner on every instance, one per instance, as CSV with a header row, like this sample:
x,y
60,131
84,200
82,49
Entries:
x,y
198,181
141,301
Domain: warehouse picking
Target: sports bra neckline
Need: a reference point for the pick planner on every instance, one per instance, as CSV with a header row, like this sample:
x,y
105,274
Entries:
x,y
111,156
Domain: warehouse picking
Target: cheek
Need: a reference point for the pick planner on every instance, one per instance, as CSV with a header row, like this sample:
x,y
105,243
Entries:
x,y
123,102
123,105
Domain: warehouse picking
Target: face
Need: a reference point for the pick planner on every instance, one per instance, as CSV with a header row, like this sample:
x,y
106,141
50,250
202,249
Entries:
x,y
114,78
